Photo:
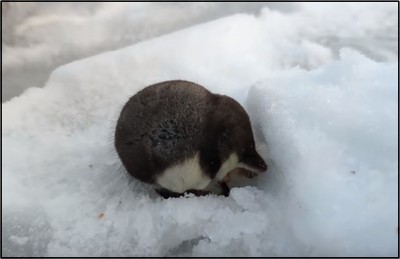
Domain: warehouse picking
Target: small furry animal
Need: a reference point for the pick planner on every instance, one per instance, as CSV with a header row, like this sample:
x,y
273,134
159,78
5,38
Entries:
x,y
180,137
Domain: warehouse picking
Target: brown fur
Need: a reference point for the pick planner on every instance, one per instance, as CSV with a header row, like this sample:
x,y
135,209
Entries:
x,y
166,123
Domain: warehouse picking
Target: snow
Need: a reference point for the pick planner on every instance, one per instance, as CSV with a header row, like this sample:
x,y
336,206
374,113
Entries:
x,y
325,118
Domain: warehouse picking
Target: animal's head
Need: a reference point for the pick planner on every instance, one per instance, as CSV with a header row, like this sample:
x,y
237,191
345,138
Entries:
x,y
228,140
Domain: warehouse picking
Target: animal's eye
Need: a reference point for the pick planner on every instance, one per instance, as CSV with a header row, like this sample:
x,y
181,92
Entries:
x,y
245,155
213,165
210,161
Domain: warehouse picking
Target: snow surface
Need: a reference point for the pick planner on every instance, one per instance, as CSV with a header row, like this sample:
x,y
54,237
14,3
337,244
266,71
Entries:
x,y
326,122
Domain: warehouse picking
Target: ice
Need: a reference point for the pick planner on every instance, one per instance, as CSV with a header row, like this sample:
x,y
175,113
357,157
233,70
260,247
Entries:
x,y
327,125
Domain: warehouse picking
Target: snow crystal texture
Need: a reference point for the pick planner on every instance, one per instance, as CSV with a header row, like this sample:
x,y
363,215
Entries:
x,y
326,123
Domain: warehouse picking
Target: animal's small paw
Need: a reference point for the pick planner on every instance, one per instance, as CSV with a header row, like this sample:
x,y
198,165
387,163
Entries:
x,y
227,178
248,174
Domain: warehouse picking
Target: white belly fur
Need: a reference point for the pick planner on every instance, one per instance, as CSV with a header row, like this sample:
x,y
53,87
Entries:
x,y
189,175
185,176
227,166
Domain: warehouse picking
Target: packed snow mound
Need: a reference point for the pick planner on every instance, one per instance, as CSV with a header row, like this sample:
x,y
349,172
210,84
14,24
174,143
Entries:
x,y
333,135
329,136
